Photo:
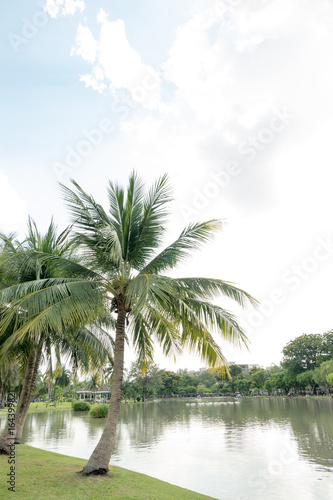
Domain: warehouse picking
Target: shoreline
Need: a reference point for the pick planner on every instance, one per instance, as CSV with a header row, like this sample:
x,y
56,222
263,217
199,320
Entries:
x,y
49,475
68,406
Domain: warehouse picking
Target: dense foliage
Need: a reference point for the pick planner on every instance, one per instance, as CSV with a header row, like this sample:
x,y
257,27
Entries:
x,y
307,352
297,373
81,406
99,411
307,367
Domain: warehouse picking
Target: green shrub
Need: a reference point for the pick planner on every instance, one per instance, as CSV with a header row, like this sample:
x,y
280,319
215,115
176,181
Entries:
x,y
138,398
187,390
81,406
69,400
191,389
99,411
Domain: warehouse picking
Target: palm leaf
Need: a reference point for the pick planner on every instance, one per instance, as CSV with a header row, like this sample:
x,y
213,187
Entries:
x,y
145,289
151,228
208,288
191,238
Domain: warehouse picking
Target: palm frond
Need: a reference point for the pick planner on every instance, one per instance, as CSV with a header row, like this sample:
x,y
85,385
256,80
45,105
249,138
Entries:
x,y
209,288
151,228
85,212
211,316
196,319
191,238
147,288
98,234
49,305
143,342
162,327
132,216
86,348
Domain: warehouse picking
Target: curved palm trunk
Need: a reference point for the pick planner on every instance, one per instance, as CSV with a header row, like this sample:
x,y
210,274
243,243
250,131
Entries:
x,y
1,393
100,458
15,434
23,410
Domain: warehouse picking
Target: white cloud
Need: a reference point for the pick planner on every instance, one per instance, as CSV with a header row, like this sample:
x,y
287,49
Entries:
x,y
116,65
57,8
234,68
86,45
225,96
13,211
145,130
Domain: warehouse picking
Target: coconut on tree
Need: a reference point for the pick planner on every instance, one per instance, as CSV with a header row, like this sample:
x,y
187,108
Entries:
x,y
122,245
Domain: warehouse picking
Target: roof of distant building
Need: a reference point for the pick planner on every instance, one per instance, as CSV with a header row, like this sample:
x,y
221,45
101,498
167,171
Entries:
x,y
102,388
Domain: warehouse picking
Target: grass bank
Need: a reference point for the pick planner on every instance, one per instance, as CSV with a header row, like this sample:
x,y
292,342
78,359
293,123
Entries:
x,y
38,407
46,475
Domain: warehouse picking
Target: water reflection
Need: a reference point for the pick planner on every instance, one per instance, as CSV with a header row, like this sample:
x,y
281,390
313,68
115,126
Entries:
x,y
256,448
56,424
3,421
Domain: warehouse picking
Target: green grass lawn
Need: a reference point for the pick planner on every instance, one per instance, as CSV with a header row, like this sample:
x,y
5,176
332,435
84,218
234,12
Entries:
x,y
37,407
46,475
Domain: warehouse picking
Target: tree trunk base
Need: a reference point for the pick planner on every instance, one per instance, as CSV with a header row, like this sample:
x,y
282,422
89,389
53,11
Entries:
x,y
91,471
5,447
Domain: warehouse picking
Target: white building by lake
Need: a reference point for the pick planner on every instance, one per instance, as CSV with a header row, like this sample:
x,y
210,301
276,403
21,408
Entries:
x,y
102,393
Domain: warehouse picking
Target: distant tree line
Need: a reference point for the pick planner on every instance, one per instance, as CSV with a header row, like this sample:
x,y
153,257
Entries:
x,y
306,368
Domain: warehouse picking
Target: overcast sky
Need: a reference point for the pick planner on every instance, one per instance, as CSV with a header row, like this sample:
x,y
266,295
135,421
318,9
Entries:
x,y
232,98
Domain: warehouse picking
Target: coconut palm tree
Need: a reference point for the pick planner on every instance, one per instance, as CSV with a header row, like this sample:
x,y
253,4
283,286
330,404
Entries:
x,y
11,376
94,382
123,246
41,387
41,310
63,379
10,379
108,372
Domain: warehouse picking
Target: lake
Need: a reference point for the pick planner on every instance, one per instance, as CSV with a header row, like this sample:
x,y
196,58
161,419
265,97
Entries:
x,y
247,449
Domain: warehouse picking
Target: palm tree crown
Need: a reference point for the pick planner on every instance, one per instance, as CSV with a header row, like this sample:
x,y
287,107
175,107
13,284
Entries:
x,y
38,311
122,246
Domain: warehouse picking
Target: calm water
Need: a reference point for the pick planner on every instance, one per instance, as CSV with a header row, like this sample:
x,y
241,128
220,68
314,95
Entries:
x,y
252,449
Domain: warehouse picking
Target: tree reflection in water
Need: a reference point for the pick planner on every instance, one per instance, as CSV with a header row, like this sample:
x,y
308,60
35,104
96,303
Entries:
x,y
236,446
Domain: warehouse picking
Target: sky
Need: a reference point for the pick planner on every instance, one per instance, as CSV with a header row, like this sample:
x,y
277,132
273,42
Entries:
x,y
232,98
